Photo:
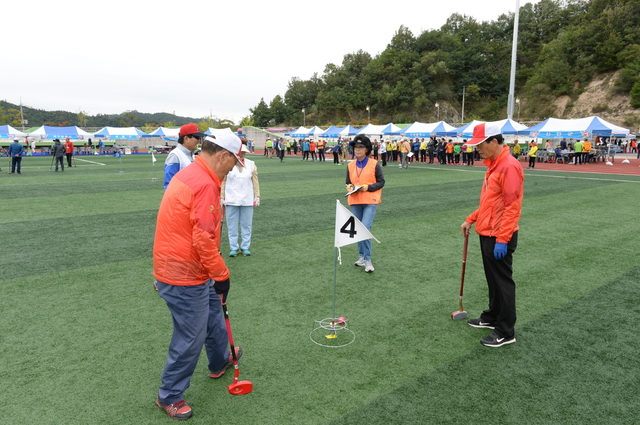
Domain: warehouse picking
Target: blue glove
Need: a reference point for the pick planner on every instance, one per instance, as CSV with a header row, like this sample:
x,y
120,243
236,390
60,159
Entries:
x,y
500,250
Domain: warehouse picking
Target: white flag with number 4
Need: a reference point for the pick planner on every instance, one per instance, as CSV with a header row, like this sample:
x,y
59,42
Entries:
x,y
348,228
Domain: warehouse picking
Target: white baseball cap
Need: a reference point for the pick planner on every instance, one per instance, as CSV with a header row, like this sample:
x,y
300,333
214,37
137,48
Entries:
x,y
227,140
484,131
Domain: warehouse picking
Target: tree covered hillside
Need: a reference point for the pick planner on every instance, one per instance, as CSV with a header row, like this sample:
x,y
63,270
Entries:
x,y
562,46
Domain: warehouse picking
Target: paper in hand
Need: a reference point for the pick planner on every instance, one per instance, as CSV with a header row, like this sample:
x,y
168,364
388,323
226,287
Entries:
x,y
355,189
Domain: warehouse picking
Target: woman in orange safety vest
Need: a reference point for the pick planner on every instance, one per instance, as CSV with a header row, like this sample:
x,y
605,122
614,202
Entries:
x,y
365,175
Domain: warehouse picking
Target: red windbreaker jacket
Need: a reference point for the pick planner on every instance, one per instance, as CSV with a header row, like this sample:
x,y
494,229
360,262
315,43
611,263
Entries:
x,y
500,199
187,240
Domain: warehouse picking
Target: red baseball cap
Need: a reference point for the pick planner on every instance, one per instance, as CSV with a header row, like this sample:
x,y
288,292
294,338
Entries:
x,y
484,131
191,130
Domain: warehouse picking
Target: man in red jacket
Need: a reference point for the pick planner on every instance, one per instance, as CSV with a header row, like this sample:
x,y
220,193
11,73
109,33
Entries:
x,y
190,271
68,150
496,222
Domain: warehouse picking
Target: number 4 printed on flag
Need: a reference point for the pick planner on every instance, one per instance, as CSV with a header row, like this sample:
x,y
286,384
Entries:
x,y
348,228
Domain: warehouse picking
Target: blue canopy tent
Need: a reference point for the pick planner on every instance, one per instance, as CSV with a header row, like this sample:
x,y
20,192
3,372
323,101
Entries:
x,y
170,134
315,132
121,133
420,129
211,130
332,132
298,133
349,131
464,130
510,127
371,129
8,132
48,132
555,128
390,129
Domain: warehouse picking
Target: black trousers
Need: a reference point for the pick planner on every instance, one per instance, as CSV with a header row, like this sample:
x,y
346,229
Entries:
x,y
502,288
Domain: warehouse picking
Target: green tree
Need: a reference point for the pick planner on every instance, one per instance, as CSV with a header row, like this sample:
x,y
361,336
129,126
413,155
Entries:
x,y
207,122
301,94
279,110
13,117
261,114
149,127
128,120
82,118
247,121
635,95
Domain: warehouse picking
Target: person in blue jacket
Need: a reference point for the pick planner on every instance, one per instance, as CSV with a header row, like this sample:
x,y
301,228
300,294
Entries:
x,y
182,155
15,152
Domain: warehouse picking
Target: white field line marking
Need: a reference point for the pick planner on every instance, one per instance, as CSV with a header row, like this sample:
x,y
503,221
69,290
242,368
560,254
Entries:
x,y
471,170
86,160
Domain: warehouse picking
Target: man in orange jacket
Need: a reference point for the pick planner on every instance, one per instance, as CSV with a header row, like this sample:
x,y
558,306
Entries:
x,y
496,222
190,272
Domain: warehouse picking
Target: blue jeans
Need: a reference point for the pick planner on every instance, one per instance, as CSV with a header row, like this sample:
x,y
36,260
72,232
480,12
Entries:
x,y
197,321
244,215
365,213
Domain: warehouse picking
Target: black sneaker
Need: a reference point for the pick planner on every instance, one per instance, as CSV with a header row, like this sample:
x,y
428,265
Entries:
x,y
495,340
479,323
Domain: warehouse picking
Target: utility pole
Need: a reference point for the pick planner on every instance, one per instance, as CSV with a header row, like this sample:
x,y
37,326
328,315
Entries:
x,y
514,54
463,93
21,116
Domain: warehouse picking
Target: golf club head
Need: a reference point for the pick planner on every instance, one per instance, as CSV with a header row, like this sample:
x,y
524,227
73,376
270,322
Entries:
x,y
240,388
459,315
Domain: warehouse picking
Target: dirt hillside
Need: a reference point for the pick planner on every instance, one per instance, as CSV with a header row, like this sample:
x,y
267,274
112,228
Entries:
x,y
602,99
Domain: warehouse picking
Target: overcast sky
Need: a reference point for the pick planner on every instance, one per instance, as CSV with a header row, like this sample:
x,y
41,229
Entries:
x,y
195,57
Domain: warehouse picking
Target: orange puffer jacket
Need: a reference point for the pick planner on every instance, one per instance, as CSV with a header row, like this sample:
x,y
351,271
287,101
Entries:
x,y
187,241
500,199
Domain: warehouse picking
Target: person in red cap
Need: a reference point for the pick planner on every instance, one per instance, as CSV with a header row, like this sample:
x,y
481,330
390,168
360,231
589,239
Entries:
x,y
182,155
190,272
496,222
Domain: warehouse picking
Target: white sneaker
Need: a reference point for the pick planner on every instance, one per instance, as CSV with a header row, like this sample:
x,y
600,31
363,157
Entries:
x,y
368,267
360,262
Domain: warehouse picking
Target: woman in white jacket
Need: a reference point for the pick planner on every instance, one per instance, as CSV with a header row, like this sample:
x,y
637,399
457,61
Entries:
x,y
241,193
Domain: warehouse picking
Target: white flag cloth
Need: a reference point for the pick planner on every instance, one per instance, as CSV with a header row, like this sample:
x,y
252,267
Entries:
x,y
348,228
153,158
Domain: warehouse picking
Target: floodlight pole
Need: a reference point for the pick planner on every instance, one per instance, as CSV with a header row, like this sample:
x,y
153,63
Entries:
x,y
463,93
514,54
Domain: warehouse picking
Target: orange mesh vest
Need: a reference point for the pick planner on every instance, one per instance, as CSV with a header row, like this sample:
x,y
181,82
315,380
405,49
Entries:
x,y
359,177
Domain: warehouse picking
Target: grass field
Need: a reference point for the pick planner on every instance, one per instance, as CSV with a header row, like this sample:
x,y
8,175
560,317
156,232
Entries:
x,y
83,335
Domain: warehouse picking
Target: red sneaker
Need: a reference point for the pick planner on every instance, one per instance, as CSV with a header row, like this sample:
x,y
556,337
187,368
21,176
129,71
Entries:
x,y
179,410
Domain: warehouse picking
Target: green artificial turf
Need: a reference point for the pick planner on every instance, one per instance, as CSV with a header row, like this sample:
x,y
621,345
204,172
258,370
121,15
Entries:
x,y
83,335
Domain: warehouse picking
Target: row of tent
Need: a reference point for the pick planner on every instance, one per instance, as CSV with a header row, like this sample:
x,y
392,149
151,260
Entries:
x,y
76,133
552,128
549,129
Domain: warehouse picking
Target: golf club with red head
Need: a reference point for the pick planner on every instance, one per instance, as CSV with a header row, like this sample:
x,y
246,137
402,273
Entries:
x,y
237,387
461,314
